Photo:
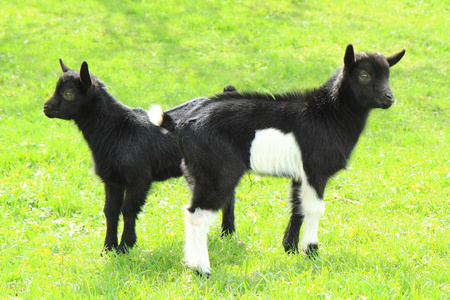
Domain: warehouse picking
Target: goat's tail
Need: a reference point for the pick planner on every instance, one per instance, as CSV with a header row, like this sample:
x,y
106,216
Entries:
x,y
160,118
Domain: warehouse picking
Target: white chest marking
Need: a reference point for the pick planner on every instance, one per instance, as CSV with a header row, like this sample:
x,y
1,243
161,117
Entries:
x,y
273,152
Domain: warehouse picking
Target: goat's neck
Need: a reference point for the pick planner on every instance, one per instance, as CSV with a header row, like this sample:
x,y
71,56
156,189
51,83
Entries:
x,y
99,121
348,118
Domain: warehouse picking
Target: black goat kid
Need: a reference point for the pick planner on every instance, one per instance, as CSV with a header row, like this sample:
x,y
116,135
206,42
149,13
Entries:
x,y
129,151
306,136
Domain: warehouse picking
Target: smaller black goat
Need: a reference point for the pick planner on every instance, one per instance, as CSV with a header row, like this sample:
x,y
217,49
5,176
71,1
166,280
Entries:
x,y
129,151
306,136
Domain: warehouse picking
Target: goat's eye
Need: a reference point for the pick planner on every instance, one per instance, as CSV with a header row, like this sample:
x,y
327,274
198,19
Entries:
x,y
69,95
364,76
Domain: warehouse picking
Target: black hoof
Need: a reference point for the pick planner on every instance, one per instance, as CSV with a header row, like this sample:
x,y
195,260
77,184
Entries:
x,y
123,249
290,248
312,251
203,274
199,273
108,249
227,232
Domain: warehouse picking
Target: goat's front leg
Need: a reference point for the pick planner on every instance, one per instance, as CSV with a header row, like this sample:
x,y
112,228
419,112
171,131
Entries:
x,y
292,232
113,202
313,208
134,200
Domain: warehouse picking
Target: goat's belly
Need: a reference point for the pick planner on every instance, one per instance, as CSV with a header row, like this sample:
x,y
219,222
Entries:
x,y
273,152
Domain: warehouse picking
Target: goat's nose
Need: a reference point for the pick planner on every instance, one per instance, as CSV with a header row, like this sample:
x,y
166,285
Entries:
x,y
47,106
389,96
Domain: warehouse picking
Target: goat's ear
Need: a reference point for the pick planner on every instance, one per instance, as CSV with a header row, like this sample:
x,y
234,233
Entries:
x,y
393,59
85,76
349,58
64,68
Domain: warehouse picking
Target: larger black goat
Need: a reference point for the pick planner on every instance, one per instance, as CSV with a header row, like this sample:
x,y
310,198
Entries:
x,y
129,151
306,136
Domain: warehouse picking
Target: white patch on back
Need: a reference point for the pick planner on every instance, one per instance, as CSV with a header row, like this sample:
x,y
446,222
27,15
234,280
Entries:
x,y
155,114
273,152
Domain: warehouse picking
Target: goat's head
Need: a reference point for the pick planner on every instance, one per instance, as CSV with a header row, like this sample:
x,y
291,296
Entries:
x,y
74,90
368,77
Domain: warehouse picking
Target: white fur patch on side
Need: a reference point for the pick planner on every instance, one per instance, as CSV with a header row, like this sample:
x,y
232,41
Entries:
x,y
313,208
273,152
196,249
155,114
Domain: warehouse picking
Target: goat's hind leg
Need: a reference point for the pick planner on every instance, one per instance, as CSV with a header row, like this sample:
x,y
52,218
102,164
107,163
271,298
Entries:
x,y
213,188
292,232
228,226
197,224
113,202
207,199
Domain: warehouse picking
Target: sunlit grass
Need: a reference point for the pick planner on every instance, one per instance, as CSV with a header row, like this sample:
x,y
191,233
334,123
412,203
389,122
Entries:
x,y
385,233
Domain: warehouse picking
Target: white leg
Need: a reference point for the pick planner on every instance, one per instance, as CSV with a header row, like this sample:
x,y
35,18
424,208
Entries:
x,y
197,228
312,207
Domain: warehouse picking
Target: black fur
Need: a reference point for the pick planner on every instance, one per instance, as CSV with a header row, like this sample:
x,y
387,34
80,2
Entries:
x,y
215,137
229,88
128,150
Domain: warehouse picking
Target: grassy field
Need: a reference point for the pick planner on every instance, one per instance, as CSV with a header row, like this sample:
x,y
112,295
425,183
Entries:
x,y
385,233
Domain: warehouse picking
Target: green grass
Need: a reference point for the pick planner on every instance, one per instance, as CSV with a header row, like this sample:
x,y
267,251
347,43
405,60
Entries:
x,y
385,233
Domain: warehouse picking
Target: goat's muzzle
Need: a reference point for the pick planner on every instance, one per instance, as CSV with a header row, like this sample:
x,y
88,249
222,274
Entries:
x,y
387,100
49,110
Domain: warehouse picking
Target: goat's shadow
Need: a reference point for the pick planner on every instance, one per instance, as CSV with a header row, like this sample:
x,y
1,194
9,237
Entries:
x,y
165,258
229,256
